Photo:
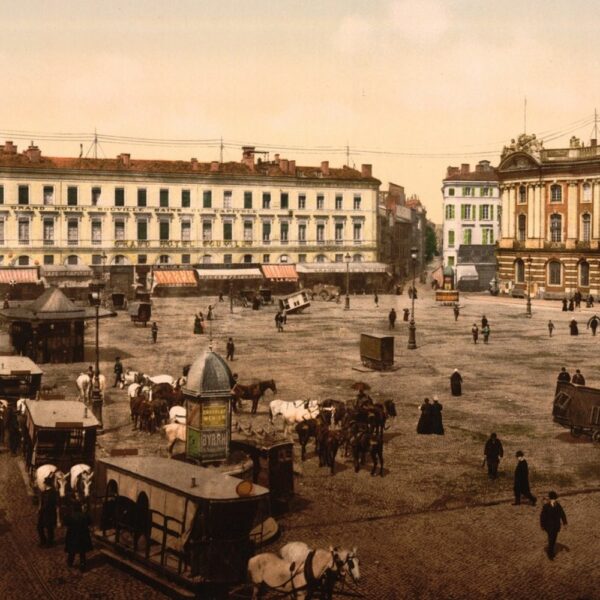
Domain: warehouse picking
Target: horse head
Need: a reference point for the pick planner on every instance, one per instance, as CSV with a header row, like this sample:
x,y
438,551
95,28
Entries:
x,y
272,386
85,481
346,562
60,482
390,408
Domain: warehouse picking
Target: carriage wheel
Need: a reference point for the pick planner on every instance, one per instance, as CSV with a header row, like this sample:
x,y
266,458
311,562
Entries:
x,y
576,431
596,436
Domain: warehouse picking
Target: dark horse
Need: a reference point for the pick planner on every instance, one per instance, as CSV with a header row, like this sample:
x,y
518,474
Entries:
x,y
253,392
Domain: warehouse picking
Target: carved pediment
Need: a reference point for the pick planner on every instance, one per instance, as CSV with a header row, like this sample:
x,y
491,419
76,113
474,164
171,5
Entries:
x,y
518,161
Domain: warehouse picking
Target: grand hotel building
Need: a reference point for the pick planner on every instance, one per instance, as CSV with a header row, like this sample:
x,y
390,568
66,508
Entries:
x,y
69,211
550,219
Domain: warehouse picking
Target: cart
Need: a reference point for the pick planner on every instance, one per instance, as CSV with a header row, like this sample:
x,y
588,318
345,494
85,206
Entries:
x,y
294,303
119,301
182,523
20,377
377,351
58,432
266,296
577,407
140,312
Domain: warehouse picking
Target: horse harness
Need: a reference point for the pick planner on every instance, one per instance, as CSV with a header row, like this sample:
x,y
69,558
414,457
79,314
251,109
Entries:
x,y
309,575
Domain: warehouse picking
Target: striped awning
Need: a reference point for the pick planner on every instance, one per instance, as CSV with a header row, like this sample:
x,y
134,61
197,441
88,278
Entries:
x,y
178,278
280,272
341,267
18,276
253,273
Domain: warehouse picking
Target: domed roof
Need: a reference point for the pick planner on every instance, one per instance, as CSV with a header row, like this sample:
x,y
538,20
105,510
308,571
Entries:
x,y
208,374
448,270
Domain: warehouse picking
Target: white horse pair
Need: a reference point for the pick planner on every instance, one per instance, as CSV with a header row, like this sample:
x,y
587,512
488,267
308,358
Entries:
x,y
84,386
293,412
286,574
79,479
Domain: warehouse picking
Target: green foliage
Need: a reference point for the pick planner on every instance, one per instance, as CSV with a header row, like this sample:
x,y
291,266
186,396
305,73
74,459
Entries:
x,y
430,244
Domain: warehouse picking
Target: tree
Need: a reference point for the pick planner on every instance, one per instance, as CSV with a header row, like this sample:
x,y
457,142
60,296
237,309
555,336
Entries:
x,y
430,244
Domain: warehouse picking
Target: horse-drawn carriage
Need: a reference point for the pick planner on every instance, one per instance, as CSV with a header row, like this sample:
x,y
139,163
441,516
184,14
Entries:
x,y
266,296
295,303
188,524
119,300
20,377
377,351
58,432
577,407
140,312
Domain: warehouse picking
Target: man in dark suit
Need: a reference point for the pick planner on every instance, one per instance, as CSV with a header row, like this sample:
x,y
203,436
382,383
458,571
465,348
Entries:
x,y
521,486
493,452
578,378
564,375
551,518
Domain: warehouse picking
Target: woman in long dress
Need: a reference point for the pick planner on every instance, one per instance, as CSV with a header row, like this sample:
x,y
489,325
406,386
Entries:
x,y
456,383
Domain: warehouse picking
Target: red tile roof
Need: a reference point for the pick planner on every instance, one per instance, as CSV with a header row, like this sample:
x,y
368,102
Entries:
x,y
489,175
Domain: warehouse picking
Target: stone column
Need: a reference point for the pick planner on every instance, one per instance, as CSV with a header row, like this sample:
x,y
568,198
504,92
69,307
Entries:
x,y
595,209
540,200
511,211
572,225
530,212
504,203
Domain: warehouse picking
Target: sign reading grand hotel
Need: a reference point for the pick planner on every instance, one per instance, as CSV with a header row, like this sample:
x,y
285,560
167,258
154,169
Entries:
x,y
208,430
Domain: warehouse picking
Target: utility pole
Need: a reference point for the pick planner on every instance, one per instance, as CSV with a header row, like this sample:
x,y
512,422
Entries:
x,y
221,153
525,115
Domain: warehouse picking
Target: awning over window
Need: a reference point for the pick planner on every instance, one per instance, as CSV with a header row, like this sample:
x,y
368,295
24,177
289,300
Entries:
x,y
340,267
179,278
18,276
280,272
66,271
253,273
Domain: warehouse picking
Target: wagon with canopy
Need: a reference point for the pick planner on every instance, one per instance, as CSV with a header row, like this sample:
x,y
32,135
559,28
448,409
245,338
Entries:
x,y
58,432
20,377
377,351
140,312
577,407
187,524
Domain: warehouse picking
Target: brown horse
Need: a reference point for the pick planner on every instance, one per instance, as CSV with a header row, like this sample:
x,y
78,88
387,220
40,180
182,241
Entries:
x,y
253,392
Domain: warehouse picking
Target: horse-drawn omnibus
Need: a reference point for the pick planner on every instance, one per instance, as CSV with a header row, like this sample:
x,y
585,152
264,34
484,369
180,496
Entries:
x,y
58,432
187,524
577,407
377,351
295,303
20,377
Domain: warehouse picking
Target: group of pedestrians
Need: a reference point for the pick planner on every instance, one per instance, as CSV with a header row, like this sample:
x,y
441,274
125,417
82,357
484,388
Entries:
x,y
485,329
565,377
430,420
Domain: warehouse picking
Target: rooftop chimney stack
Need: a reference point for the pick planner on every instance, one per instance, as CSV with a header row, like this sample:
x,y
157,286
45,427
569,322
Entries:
x,y
33,153
248,156
194,162
292,167
9,148
366,170
325,168
276,159
283,165
464,168
214,166
125,159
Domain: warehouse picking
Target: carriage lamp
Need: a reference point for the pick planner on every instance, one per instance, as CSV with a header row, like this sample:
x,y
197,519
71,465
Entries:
x,y
347,258
528,307
412,329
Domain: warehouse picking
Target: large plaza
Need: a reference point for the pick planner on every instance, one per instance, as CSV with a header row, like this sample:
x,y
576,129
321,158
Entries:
x,y
434,526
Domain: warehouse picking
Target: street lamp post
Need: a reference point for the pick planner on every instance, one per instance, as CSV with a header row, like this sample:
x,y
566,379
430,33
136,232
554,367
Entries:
x,y
96,288
528,309
412,329
347,258
231,296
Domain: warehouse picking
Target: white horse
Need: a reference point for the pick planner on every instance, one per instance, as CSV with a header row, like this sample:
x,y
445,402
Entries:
x,y
177,414
129,377
133,390
162,379
84,386
287,578
48,477
21,406
80,479
293,412
346,560
174,432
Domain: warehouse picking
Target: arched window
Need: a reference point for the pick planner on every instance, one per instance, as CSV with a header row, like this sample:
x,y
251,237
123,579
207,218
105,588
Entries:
x,y
554,273
72,259
519,271
584,274
556,228
320,258
522,227
586,192
586,227
522,194
556,193
357,258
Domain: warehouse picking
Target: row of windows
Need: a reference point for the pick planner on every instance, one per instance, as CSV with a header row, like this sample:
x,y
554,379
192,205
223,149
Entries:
x,y
23,198
472,191
142,259
556,193
487,236
73,227
556,228
554,272
468,212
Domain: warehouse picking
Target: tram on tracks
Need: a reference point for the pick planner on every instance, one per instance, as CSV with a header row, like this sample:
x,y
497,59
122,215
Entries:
x,y
191,525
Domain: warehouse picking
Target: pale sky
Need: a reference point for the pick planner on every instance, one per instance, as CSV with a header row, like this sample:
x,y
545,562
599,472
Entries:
x,y
421,76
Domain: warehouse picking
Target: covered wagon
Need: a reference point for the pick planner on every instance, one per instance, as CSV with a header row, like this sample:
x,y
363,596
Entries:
x,y
577,407
377,351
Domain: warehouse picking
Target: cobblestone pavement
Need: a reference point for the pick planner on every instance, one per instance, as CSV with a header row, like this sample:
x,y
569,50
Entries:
x,y
433,526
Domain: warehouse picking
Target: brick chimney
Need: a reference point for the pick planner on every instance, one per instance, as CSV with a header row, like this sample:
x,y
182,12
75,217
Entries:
x,y
124,159
283,165
464,168
214,166
248,156
194,162
9,148
292,167
366,170
33,153
325,167
478,168
451,171
276,159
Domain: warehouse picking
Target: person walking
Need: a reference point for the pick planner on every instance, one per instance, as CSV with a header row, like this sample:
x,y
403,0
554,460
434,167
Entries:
x,y
550,327
376,299
564,304
14,431
456,312
593,324
118,369
571,305
578,378
475,332
209,314
230,349
425,423
486,333
577,298
573,327
78,539
437,423
551,519
392,318
47,515
406,314
279,322
521,483
493,452
154,332
589,303
456,383
484,321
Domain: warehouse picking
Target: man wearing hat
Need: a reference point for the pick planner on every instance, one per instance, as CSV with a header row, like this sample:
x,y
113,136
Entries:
x,y
551,518
521,487
118,371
